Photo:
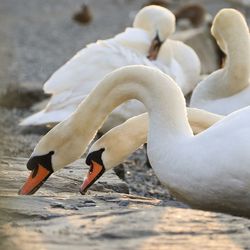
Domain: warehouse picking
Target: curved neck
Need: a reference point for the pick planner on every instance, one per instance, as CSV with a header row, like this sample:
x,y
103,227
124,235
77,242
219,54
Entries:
x,y
161,96
237,48
130,135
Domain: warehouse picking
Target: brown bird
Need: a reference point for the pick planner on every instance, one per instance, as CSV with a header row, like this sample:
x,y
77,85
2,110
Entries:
x,y
84,15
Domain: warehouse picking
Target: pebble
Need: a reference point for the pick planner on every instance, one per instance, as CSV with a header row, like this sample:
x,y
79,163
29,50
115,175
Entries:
x,y
87,203
57,205
124,203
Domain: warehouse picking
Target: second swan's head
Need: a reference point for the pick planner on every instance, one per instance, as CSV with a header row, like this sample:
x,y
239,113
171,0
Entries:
x,y
102,157
159,23
114,147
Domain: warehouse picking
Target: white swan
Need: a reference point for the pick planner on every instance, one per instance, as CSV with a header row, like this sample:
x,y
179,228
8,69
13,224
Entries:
x,y
227,89
208,171
132,134
129,136
73,81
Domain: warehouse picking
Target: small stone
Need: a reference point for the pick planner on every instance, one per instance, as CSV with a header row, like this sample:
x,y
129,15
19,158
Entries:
x,y
49,216
123,203
87,203
57,205
72,207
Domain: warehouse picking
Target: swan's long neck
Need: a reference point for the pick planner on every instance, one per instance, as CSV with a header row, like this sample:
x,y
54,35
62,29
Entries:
x,y
236,42
238,69
130,135
161,96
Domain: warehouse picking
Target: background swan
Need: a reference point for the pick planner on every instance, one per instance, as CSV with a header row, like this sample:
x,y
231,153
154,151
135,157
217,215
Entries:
x,y
227,89
207,171
73,81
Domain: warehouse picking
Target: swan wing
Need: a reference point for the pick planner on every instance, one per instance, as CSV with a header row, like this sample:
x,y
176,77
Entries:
x,y
132,38
76,79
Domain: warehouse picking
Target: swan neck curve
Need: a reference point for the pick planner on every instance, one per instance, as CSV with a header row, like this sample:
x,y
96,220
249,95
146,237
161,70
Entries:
x,y
163,99
234,40
239,60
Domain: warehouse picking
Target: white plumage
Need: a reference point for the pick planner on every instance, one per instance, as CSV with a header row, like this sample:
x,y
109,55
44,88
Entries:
x,y
70,84
208,171
227,89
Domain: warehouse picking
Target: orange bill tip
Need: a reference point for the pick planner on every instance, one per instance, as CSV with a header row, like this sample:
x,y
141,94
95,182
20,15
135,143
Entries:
x,y
95,172
36,179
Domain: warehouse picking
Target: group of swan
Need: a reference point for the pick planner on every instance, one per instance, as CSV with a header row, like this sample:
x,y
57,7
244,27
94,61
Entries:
x,y
146,43
209,170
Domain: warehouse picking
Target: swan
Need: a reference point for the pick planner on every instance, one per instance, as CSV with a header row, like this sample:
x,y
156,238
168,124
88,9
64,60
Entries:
x,y
227,89
71,83
135,127
130,135
207,171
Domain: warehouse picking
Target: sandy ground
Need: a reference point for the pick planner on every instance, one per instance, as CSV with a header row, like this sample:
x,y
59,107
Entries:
x,y
58,217
36,37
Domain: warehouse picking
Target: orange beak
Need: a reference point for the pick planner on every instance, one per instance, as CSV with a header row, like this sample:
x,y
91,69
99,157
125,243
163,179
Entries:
x,y
95,172
36,179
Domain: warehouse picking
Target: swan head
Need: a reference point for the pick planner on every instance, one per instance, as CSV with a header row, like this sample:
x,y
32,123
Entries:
x,y
41,168
96,170
103,155
159,23
225,25
56,149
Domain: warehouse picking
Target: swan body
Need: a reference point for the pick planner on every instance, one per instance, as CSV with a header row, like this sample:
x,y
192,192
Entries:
x,y
71,83
208,171
227,89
